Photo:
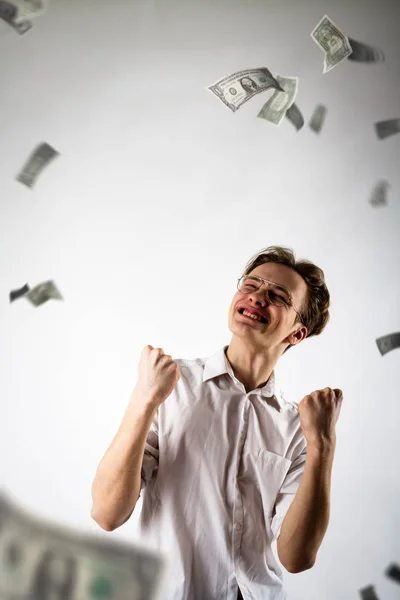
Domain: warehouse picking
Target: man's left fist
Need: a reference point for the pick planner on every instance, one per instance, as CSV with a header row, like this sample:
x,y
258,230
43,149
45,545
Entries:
x,y
319,412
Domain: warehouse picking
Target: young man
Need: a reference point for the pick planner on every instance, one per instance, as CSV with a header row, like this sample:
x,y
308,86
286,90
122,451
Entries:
x,y
222,453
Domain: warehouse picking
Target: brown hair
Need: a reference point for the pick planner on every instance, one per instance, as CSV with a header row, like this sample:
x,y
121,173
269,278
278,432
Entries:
x,y
315,309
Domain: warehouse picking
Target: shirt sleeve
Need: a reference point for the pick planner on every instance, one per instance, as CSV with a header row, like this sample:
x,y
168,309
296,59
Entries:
x,y
151,452
287,492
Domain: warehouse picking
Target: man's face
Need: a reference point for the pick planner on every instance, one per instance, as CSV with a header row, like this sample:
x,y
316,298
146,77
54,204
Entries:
x,y
248,82
281,320
334,43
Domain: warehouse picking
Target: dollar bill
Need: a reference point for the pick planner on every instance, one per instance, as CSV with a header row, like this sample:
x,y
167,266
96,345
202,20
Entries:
x,y
387,128
389,342
380,193
39,158
14,294
274,110
393,572
294,115
9,14
332,41
318,118
234,90
29,9
368,593
43,292
364,53
40,560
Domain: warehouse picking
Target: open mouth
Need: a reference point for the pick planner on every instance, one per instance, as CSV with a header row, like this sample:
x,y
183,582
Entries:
x,y
259,318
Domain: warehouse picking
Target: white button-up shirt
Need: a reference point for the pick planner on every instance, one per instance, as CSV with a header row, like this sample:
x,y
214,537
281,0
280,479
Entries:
x,y
220,470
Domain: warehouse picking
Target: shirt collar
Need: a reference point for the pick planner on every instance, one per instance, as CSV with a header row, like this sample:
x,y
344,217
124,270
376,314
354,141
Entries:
x,y
218,364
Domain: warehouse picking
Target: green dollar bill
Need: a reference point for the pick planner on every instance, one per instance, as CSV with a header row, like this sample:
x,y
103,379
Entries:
x,y
234,90
274,110
332,41
43,292
40,560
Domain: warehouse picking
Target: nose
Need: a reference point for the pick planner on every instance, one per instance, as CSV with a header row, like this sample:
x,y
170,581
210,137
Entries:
x,y
260,296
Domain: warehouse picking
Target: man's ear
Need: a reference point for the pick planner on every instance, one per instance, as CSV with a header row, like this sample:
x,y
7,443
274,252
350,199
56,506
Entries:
x,y
297,336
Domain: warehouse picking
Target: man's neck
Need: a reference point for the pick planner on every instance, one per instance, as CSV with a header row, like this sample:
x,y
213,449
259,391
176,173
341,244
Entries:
x,y
252,369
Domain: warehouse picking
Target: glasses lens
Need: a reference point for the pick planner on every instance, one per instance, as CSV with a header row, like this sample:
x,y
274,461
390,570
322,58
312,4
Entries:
x,y
249,284
276,295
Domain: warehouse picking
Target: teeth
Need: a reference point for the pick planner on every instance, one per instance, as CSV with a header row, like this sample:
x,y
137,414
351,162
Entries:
x,y
247,314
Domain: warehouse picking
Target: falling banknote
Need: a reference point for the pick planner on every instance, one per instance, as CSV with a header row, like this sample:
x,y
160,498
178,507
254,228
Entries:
x,y
332,42
393,572
43,292
387,128
40,560
380,193
389,342
29,9
274,110
318,118
368,593
236,89
294,115
9,14
39,158
14,294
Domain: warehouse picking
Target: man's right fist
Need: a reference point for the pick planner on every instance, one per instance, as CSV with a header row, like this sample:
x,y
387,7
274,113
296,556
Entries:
x,y
158,375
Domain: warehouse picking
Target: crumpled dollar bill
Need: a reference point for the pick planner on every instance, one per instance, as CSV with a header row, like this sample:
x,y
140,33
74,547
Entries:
x,y
332,41
38,295
274,110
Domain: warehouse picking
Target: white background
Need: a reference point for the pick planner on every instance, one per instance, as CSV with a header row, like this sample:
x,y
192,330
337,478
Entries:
x,y
149,215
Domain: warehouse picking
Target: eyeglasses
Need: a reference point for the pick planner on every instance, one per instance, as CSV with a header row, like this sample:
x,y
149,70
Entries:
x,y
276,294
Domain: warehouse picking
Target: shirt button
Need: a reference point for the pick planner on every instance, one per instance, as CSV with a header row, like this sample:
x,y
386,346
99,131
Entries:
x,y
238,525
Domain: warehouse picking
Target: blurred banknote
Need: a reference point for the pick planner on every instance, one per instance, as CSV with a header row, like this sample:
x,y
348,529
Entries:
x,y
380,193
42,561
387,128
332,41
368,593
318,118
393,572
274,110
43,292
389,342
234,90
9,14
29,9
364,53
14,294
39,158
294,115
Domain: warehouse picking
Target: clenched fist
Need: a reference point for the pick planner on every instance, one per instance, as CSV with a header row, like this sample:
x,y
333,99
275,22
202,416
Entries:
x,y
319,412
158,375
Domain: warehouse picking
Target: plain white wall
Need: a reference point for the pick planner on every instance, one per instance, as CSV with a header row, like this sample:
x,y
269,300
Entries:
x,y
147,218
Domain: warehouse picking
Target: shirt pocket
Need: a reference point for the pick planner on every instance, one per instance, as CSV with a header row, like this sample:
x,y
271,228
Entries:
x,y
271,471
